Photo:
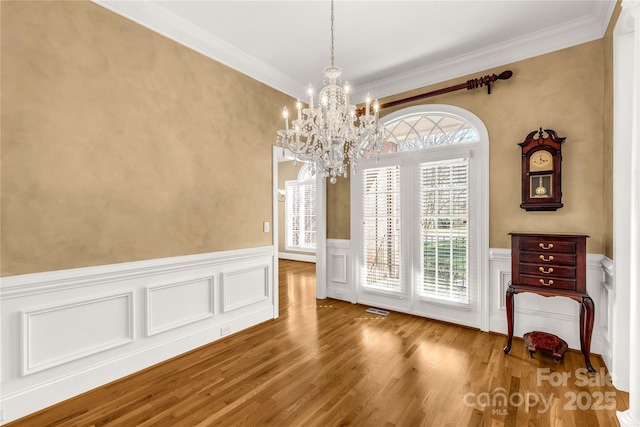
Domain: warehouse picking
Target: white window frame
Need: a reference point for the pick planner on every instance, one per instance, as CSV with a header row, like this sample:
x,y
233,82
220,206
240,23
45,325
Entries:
x,y
478,153
310,180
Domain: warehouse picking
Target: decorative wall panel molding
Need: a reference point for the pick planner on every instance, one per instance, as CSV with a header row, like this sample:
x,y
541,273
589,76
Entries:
x,y
54,335
339,268
241,288
177,304
606,307
66,332
505,281
340,283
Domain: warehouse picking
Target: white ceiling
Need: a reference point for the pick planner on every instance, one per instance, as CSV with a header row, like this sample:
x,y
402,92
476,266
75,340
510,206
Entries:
x,y
383,47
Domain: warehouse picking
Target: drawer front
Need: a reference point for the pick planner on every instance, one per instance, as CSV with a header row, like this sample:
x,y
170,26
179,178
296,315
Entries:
x,y
542,245
548,258
547,282
548,271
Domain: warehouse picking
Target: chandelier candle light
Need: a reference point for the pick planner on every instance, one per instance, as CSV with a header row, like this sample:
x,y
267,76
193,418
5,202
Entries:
x,y
328,136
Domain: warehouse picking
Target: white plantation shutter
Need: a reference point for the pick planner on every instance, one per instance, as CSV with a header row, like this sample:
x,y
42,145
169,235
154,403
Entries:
x,y
308,214
444,219
293,214
301,215
381,228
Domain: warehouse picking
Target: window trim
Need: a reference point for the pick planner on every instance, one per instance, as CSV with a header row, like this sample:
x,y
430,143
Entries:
x,y
480,155
287,230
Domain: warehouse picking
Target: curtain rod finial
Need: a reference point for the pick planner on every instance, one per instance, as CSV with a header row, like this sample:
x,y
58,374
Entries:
x,y
505,75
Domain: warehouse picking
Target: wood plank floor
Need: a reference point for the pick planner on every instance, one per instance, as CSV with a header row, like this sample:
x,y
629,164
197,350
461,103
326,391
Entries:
x,y
329,363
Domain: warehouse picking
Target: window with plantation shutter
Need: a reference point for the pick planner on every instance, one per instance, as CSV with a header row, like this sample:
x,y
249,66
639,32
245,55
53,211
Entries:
x,y
420,216
301,215
381,228
444,220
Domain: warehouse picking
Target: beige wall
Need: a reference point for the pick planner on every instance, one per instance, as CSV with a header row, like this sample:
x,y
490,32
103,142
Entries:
x,y
119,144
562,91
608,135
338,208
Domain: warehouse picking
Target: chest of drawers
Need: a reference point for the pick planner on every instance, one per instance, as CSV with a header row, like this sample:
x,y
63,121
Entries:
x,y
549,262
551,265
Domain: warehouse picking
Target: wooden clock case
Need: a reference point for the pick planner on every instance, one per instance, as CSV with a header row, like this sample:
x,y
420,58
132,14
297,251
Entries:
x,y
542,187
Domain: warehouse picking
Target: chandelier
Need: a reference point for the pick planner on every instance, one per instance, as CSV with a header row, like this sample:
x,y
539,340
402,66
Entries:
x,y
331,136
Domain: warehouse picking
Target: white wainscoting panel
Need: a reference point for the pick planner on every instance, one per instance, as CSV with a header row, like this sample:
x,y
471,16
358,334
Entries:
x,y
340,270
241,288
173,305
606,307
54,335
66,332
556,315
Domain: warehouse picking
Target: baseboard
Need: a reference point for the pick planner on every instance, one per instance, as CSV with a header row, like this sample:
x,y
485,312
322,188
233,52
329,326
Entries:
x,y
297,257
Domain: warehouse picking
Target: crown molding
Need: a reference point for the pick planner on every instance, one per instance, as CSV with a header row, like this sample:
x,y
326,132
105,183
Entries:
x,y
162,21
149,14
572,33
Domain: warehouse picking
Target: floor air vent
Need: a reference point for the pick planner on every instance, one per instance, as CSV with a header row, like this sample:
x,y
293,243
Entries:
x,y
377,311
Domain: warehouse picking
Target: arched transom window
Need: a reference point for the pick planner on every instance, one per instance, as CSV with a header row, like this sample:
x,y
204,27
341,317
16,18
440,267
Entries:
x,y
422,130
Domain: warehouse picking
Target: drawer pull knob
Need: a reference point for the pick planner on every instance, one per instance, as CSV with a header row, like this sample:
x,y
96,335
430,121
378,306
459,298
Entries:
x,y
546,284
546,272
546,247
546,259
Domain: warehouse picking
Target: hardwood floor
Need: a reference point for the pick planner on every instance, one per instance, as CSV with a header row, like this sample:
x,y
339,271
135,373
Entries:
x,y
329,363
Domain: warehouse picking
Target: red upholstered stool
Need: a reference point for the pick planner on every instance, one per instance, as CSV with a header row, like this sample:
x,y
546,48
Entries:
x,y
543,341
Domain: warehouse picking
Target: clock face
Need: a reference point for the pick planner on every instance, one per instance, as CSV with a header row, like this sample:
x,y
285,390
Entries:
x,y
541,160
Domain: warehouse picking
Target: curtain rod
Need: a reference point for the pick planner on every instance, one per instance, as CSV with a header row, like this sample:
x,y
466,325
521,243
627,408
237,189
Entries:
x,y
469,85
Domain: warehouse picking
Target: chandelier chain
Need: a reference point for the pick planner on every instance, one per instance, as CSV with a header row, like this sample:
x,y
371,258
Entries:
x,y
332,33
